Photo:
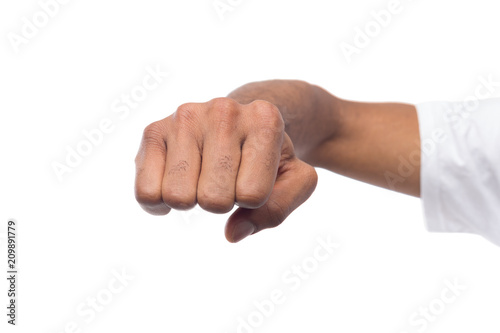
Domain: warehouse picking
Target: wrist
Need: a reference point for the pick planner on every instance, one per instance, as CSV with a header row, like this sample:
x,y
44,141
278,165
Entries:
x,y
328,117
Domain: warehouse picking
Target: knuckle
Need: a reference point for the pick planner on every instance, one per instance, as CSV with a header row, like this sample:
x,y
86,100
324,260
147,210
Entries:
x,y
251,197
268,115
215,204
147,196
225,112
153,130
178,198
152,141
153,134
268,123
224,103
186,114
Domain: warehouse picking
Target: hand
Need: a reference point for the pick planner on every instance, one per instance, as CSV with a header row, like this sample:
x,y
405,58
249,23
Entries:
x,y
222,153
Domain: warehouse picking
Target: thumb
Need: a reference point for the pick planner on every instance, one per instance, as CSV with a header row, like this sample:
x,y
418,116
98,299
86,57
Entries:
x,y
294,184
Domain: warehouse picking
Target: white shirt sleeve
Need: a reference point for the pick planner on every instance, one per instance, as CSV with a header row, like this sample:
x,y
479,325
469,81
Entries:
x,y
460,169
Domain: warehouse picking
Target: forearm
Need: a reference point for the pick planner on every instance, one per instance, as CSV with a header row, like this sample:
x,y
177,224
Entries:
x,y
377,143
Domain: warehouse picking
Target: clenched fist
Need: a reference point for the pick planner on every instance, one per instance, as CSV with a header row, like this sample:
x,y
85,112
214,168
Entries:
x,y
218,154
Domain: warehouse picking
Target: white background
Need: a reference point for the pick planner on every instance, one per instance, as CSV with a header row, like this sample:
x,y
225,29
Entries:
x,y
187,277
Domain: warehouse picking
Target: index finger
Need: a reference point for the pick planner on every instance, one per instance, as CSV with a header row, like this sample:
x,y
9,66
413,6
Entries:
x,y
260,158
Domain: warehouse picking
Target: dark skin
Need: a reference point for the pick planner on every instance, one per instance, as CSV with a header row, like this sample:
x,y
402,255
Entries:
x,y
257,148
